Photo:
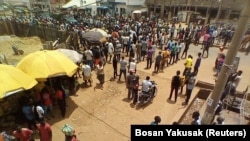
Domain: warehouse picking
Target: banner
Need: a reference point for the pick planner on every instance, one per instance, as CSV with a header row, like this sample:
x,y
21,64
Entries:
x,y
195,132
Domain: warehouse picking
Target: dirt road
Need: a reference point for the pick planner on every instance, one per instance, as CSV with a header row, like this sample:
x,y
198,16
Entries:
x,y
107,115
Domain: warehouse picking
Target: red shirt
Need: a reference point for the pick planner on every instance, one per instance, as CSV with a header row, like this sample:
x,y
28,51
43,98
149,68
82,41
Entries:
x,y
59,94
46,99
45,132
25,134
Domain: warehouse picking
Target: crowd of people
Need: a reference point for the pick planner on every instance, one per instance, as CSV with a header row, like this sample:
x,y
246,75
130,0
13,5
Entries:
x,y
130,43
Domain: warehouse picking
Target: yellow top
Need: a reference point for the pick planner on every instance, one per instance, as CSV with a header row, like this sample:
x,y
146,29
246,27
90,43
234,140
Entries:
x,y
188,63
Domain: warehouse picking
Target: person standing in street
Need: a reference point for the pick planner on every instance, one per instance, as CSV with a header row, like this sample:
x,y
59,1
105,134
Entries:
x,y
136,88
158,61
197,64
86,74
165,55
110,51
117,50
185,51
89,57
190,85
173,54
149,57
132,65
114,63
123,68
175,85
100,74
130,84
23,134
138,51
196,118
157,120
188,64
45,131
61,100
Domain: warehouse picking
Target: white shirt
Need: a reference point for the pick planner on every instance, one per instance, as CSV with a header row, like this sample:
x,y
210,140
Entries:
x,y
125,39
86,70
133,46
237,80
146,85
182,45
179,48
88,53
132,66
39,111
110,48
214,33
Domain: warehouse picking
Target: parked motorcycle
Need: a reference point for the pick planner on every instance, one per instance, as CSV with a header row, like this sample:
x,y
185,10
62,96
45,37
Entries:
x,y
144,98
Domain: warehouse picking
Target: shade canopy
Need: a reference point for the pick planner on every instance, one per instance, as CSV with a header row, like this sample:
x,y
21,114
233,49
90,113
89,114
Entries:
x,y
71,54
46,64
94,37
103,32
13,80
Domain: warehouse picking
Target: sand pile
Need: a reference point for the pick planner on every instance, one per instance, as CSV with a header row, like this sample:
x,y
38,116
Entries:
x,y
26,44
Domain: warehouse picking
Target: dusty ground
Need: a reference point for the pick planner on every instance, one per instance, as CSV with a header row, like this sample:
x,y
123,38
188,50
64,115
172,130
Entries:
x,y
27,44
106,114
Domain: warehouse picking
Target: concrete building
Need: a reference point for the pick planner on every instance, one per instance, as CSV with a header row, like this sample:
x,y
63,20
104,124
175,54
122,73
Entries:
x,y
44,5
19,2
126,7
221,9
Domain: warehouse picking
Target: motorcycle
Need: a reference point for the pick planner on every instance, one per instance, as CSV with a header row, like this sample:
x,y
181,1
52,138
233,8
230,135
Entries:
x,y
144,98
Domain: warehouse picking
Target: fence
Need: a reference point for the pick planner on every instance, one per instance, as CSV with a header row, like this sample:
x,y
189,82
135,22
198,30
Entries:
x,y
47,33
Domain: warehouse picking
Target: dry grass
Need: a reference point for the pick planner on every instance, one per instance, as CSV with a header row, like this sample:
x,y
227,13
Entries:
x,y
27,44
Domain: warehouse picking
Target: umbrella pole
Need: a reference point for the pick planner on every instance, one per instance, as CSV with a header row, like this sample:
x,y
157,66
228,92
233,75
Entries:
x,y
50,82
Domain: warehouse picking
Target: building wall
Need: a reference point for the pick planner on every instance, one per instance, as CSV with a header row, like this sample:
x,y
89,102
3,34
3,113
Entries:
x,y
129,5
42,4
229,7
128,2
24,2
234,4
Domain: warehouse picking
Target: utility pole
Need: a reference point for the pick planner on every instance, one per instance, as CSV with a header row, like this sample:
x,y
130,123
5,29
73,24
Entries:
x,y
223,75
208,11
219,11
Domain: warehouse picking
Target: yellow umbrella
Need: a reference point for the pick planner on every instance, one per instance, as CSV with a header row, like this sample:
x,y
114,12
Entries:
x,y
13,80
46,64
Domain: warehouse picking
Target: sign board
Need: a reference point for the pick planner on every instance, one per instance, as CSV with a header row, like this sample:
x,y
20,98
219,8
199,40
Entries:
x,y
210,101
235,64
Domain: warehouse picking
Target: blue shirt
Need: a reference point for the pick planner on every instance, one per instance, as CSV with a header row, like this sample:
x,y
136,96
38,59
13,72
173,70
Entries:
x,y
28,112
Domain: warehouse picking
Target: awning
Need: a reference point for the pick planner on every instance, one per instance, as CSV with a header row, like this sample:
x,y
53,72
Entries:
x,y
78,3
102,7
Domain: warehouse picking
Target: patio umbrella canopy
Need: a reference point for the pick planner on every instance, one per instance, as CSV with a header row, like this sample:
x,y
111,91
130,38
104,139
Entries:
x,y
46,64
94,37
103,32
13,80
71,54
